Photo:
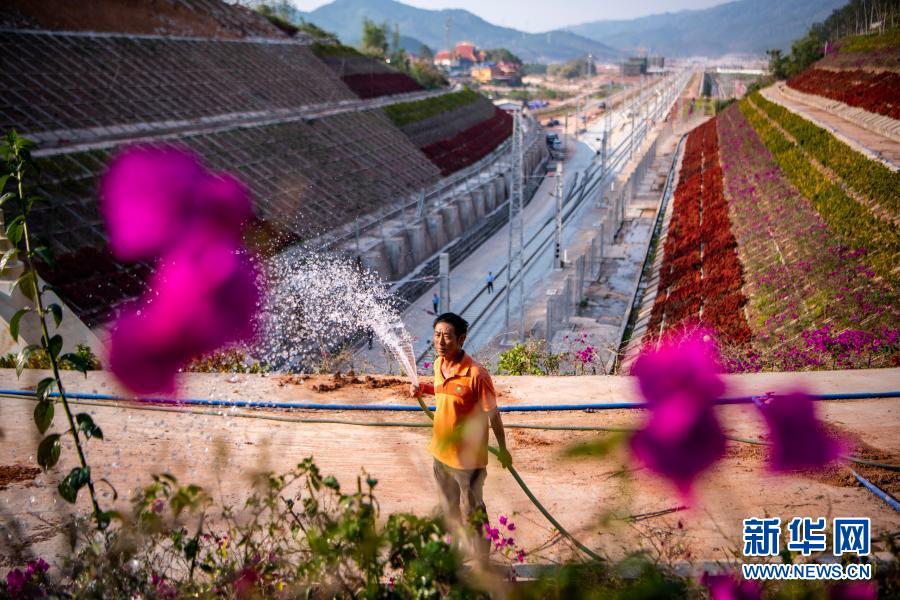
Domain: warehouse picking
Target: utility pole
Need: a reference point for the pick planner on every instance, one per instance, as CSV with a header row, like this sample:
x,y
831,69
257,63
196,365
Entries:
x,y
444,282
514,265
559,206
447,26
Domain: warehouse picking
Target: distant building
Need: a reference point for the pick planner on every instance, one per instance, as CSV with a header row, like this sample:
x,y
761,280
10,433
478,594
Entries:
x,y
657,62
443,58
465,52
634,66
500,73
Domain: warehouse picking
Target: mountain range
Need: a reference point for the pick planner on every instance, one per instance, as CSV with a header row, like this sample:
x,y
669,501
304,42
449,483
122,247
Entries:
x,y
344,17
739,27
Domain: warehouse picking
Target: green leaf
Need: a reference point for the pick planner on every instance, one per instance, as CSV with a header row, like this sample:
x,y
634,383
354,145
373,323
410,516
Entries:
x,y
3,179
191,548
44,387
23,356
15,321
5,197
43,415
55,345
74,481
14,230
8,256
45,255
25,283
48,451
77,361
87,426
56,311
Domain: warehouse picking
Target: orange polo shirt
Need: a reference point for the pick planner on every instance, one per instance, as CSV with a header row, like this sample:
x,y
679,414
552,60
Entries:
x,y
459,436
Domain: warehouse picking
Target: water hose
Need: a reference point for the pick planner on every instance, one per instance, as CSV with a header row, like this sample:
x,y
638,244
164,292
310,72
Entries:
x,y
351,422
411,408
887,498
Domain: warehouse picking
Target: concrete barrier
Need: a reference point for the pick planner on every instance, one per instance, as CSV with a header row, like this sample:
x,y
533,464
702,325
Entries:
x,y
478,203
490,196
376,259
467,216
437,235
399,255
499,190
452,226
418,243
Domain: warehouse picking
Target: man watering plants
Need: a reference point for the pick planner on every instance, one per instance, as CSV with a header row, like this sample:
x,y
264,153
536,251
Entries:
x,y
466,405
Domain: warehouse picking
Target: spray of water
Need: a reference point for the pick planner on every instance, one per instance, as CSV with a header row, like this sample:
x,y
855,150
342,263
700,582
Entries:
x,y
317,303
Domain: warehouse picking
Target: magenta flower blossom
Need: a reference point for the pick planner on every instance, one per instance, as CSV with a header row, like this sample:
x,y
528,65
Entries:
x,y
726,587
682,436
152,197
502,519
162,203
799,439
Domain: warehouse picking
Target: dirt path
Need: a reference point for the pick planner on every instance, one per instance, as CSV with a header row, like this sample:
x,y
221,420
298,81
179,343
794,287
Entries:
x,y
859,138
221,452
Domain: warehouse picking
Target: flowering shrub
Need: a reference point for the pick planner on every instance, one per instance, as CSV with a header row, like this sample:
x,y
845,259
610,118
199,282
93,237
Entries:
x,y
297,534
161,203
701,277
682,438
530,358
845,216
374,85
470,145
874,92
869,177
503,542
800,276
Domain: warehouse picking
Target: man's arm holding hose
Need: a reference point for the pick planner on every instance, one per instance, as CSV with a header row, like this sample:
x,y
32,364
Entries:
x,y
497,425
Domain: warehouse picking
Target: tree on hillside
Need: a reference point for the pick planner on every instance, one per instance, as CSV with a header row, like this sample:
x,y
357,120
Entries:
x,y
425,53
498,55
579,67
374,38
427,75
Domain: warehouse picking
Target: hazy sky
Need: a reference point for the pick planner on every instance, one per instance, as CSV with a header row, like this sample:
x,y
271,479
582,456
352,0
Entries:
x,y
543,15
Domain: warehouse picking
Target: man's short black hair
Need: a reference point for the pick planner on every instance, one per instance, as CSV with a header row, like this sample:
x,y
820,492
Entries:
x,y
460,325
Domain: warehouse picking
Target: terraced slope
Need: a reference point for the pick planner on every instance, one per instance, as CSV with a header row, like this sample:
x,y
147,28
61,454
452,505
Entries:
x,y
813,227
367,77
230,101
863,72
453,130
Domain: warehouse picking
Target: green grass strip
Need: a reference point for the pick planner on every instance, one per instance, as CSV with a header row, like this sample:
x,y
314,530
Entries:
x,y
412,112
844,216
868,177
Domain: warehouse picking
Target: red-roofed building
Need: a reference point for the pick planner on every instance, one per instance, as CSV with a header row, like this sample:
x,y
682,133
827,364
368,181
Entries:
x,y
466,52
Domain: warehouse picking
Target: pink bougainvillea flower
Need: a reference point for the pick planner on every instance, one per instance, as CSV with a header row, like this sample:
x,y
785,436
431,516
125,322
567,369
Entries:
x,y
686,363
799,439
677,451
147,197
727,587
201,297
152,197
162,203
682,436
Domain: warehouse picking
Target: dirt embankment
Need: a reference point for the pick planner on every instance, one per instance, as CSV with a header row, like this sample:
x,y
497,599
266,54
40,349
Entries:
x,y
192,18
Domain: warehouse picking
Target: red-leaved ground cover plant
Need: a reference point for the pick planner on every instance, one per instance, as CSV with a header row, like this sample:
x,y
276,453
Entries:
x,y
874,92
701,276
